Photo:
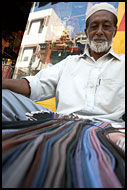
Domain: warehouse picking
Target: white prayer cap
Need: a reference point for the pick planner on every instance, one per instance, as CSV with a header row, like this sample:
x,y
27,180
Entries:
x,y
99,7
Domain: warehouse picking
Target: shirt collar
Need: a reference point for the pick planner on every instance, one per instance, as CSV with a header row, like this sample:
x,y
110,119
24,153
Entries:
x,y
86,52
114,54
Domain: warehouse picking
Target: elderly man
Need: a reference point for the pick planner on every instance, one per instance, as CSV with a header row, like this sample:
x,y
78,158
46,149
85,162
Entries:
x,y
89,85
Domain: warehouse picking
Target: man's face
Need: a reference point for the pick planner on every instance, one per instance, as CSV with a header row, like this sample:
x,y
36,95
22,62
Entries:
x,y
100,31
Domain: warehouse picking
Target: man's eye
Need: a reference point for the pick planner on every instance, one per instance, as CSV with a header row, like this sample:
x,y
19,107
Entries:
x,y
93,26
107,26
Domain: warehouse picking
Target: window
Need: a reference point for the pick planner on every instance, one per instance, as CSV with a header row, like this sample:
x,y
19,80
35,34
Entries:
x,y
36,26
25,58
41,26
27,54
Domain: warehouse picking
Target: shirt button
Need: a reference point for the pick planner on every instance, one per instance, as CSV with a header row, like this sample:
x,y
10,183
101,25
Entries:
x,y
91,85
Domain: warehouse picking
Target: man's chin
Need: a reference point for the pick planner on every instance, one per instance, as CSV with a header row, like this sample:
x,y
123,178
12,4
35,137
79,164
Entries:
x,y
101,51
99,47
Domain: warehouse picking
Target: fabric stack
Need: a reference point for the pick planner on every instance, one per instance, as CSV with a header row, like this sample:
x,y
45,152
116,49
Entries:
x,y
53,151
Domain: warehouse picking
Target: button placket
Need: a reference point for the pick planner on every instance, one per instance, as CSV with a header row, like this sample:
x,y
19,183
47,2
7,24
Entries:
x,y
92,85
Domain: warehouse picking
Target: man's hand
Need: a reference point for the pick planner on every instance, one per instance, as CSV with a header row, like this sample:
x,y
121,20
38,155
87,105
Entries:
x,y
20,86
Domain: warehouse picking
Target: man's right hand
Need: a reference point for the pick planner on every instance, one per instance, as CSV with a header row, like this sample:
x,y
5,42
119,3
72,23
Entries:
x,y
20,86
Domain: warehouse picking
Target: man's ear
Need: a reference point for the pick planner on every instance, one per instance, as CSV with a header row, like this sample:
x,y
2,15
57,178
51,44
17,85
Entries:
x,y
86,32
115,32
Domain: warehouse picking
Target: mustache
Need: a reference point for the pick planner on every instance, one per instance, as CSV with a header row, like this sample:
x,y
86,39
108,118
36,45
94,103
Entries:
x,y
95,39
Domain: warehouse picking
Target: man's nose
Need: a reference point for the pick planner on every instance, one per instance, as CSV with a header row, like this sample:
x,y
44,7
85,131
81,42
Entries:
x,y
100,30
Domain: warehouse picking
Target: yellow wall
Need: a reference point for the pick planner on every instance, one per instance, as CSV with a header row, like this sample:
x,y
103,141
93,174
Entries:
x,y
50,104
119,40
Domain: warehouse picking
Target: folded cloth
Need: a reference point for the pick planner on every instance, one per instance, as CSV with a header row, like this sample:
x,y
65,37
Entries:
x,y
46,114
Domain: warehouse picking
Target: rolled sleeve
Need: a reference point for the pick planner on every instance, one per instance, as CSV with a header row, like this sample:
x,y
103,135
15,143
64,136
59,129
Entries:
x,y
35,87
43,84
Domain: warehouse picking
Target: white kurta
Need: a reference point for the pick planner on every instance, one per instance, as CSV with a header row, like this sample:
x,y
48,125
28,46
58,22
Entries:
x,y
81,85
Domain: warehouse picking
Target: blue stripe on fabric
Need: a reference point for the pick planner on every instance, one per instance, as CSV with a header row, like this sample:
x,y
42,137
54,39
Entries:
x,y
41,173
91,173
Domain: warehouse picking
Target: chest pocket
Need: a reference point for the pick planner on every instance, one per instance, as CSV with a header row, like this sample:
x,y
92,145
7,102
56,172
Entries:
x,y
110,94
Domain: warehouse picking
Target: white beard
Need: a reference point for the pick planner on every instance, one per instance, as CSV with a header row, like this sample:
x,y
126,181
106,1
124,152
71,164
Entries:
x,y
99,47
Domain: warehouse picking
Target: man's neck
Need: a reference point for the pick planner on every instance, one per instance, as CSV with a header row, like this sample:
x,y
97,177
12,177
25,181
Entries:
x,y
95,55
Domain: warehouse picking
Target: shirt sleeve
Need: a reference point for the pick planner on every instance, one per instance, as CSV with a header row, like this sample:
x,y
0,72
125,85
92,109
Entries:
x,y
43,84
